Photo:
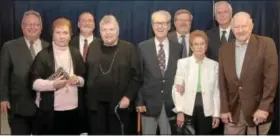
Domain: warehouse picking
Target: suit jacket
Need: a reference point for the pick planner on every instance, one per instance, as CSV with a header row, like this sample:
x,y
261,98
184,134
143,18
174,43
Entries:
x,y
16,60
214,42
126,73
258,79
173,36
75,42
156,89
42,68
187,73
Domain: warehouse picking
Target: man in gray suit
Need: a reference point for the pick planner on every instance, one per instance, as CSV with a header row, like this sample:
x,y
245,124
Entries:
x,y
183,22
158,57
222,33
17,98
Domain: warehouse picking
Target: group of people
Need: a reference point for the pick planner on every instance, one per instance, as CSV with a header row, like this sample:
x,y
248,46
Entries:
x,y
78,84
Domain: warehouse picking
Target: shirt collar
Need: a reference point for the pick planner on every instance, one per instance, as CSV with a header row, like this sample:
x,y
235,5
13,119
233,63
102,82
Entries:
x,y
179,35
165,42
88,39
227,30
238,44
36,42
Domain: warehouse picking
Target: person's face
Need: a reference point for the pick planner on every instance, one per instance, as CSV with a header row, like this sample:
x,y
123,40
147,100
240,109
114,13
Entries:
x,y
183,23
86,23
223,14
161,26
199,46
31,27
109,33
242,28
61,35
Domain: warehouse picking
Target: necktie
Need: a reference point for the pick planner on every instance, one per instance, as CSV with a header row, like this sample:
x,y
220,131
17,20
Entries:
x,y
199,77
223,38
185,51
31,48
161,59
85,49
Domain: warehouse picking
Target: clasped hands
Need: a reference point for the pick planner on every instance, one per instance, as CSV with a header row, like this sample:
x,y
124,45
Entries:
x,y
60,82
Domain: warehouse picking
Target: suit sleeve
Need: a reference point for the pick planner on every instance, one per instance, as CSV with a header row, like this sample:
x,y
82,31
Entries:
x,y
223,85
270,76
135,74
178,99
216,93
36,69
5,67
139,99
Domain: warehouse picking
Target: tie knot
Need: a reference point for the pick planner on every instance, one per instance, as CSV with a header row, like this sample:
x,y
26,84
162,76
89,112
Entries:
x,y
31,43
183,36
160,45
224,31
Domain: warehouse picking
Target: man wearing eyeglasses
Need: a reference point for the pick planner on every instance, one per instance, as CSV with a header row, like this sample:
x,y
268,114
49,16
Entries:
x,y
158,60
17,98
182,21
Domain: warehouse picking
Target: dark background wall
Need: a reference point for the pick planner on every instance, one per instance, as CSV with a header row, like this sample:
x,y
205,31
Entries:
x,y
134,18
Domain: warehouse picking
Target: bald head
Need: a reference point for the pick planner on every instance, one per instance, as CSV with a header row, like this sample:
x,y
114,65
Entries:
x,y
242,26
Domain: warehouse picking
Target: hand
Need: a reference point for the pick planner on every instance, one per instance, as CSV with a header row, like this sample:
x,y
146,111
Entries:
x,y
180,119
141,109
260,116
59,83
124,103
180,88
226,117
215,122
74,80
5,105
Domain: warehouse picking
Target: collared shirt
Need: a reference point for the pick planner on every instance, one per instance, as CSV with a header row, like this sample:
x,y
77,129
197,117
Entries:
x,y
227,32
240,51
82,42
37,45
166,49
187,36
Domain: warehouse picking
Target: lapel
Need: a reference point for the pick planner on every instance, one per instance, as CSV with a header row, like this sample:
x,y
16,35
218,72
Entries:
x,y
23,48
231,36
173,37
170,58
154,58
250,51
231,60
44,44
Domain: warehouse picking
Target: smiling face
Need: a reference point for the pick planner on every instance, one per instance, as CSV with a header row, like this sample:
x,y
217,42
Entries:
x,y
109,33
183,23
242,27
86,23
161,25
31,27
223,14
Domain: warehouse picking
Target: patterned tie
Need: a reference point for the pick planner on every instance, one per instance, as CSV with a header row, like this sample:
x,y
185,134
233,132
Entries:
x,y
32,50
161,59
85,49
185,51
223,38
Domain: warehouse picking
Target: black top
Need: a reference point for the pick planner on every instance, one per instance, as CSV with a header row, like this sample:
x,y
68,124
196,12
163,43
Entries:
x,y
104,81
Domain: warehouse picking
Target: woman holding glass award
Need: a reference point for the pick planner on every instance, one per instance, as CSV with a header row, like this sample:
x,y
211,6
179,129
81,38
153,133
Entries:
x,y
195,92
57,75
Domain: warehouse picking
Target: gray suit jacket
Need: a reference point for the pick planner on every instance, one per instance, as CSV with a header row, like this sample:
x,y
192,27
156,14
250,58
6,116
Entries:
x,y
214,42
15,62
173,36
155,88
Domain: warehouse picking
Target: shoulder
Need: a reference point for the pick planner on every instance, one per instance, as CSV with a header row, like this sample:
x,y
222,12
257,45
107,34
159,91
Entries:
x,y
263,38
212,62
12,43
170,34
146,43
212,30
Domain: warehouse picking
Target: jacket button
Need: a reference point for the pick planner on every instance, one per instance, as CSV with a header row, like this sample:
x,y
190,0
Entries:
x,y
161,91
240,88
163,81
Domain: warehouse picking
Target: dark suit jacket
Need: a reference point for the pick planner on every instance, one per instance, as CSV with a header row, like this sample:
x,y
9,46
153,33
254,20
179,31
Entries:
x,y
173,36
16,60
126,73
214,42
155,88
42,68
258,80
75,42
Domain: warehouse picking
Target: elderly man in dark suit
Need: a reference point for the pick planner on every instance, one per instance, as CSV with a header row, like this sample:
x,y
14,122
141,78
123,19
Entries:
x,y
222,33
182,21
16,58
248,79
158,59
86,25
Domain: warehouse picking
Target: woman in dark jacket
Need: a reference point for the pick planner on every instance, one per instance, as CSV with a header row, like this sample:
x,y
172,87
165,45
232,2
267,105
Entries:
x,y
57,76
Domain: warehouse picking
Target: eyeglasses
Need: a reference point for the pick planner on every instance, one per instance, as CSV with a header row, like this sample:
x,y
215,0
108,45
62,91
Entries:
x,y
32,24
157,24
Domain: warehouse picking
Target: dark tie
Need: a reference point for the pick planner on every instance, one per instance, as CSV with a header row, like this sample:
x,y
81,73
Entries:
x,y
185,51
161,59
85,50
32,50
223,38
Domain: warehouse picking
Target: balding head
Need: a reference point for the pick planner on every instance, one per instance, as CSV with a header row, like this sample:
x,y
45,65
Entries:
x,y
242,26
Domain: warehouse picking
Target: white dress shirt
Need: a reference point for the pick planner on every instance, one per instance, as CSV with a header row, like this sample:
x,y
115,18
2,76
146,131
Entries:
x,y
166,49
187,36
187,73
82,42
37,45
227,32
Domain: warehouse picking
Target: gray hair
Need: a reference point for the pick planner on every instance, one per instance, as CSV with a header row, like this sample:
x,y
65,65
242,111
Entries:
x,y
183,11
222,2
247,15
163,12
31,12
109,19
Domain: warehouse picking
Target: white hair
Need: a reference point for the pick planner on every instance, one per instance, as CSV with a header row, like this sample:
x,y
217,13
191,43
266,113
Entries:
x,y
162,12
222,2
109,19
31,12
247,15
